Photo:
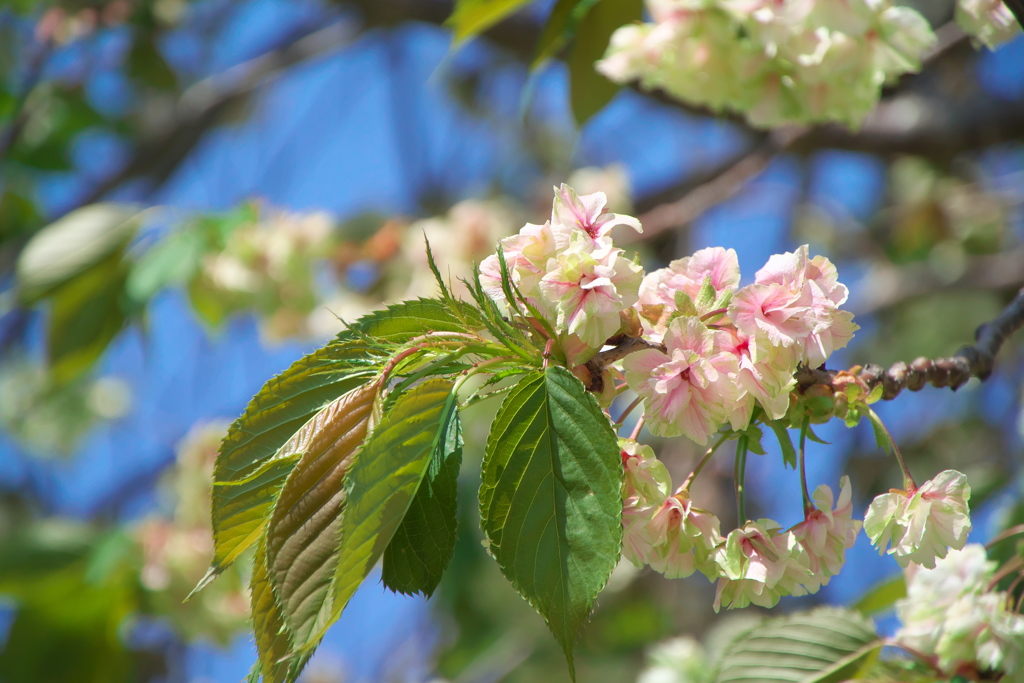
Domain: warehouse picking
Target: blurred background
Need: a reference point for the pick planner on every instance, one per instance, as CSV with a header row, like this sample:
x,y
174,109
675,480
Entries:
x,y
193,193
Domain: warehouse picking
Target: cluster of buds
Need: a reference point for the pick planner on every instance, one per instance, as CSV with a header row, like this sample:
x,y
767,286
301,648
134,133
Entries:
x,y
776,62
755,564
951,614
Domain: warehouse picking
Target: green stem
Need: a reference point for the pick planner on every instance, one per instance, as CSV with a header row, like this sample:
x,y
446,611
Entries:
x,y
703,461
808,506
741,467
909,485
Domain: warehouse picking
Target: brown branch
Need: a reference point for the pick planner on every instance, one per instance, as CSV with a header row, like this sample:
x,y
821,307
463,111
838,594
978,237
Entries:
x,y
721,183
976,360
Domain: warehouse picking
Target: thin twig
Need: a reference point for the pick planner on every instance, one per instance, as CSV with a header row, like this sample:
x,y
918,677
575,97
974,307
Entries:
x,y
977,360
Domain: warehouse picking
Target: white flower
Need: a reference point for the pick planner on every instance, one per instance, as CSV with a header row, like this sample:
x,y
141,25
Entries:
x,y
924,525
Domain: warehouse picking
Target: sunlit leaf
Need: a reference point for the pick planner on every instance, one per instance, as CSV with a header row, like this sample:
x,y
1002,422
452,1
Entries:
x,y
419,553
71,245
290,400
472,17
785,443
826,645
379,489
549,501
243,498
303,532
589,90
273,640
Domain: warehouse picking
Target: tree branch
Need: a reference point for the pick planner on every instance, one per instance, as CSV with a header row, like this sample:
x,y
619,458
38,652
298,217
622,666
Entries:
x,y
977,360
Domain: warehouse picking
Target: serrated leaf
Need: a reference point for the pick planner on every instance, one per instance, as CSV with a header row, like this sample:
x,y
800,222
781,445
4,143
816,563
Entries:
x,y
549,502
882,596
273,641
589,90
472,17
422,546
560,28
378,490
289,401
304,528
785,443
684,304
825,645
255,456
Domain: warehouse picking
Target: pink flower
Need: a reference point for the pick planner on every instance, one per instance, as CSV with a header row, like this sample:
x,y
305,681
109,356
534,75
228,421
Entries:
x,y
646,486
526,256
765,373
777,312
662,291
684,538
922,525
572,213
588,285
758,565
826,533
689,389
794,302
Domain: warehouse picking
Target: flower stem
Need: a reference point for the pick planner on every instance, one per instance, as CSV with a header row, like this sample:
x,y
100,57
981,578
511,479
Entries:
x,y
703,461
628,410
808,506
637,428
908,480
741,467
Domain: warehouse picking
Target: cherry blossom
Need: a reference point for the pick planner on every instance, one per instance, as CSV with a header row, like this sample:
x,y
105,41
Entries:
x,y
826,533
689,389
922,525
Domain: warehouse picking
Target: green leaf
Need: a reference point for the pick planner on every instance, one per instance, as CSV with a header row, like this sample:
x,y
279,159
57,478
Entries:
x,y
472,17
706,295
254,457
289,401
785,443
825,645
86,314
171,262
883,596
147,65
273,641
72,245
381,486
589,90
305,525
423,544
549,502
560,28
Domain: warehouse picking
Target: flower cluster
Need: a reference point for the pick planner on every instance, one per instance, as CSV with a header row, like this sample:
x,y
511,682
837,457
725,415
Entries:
x,y
569,270
777,62
755,564
729,348
266,264
923,524
951,614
